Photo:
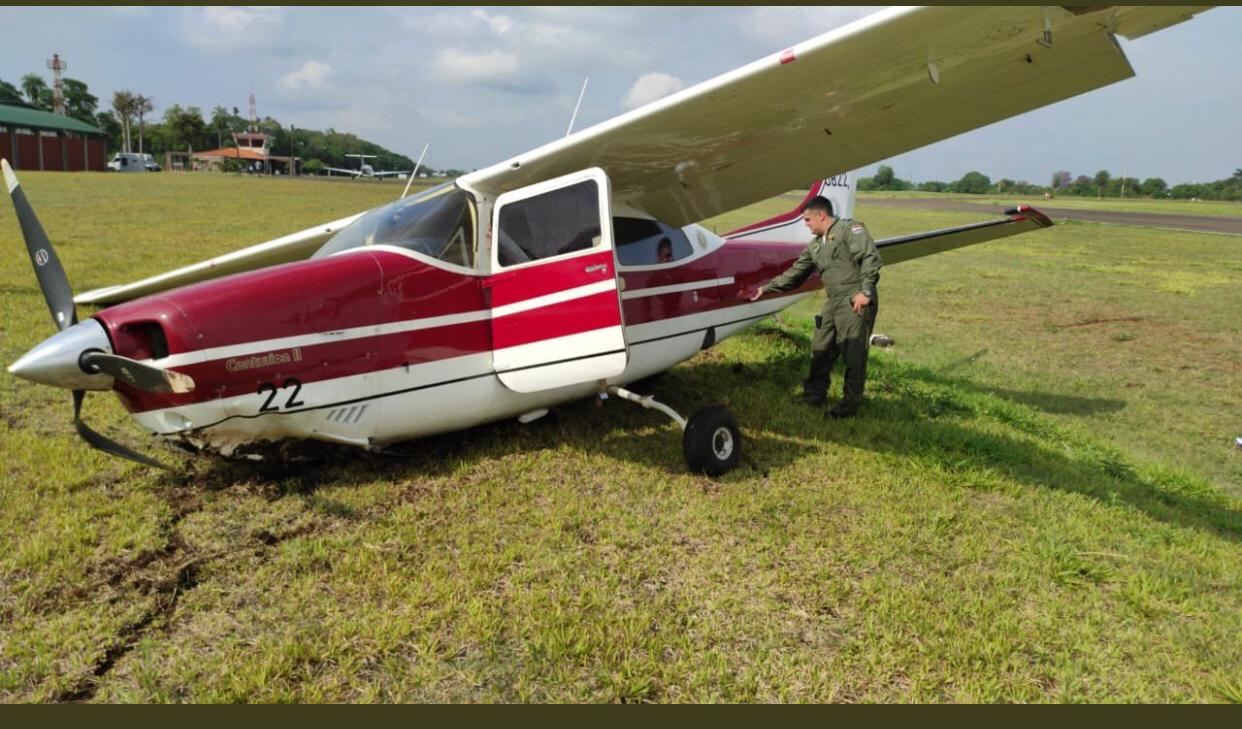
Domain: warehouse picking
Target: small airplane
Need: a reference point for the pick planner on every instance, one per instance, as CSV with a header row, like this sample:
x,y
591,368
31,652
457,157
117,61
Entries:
x,y
365,170
547,278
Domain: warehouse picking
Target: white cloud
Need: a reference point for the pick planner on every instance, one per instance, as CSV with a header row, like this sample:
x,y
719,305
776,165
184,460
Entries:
x,y
227,28
311,75
500,24
130,11
464,66
449,118
240,19
651,86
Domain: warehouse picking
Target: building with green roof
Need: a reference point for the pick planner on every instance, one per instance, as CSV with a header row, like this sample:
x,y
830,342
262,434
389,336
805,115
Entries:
x,y
33,139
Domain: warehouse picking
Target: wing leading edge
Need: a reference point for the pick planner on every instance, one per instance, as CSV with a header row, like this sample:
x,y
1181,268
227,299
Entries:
x,y
292,247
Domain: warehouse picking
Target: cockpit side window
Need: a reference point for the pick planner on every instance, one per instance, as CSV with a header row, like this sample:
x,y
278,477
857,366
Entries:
x,y
439,223
552,224
643,242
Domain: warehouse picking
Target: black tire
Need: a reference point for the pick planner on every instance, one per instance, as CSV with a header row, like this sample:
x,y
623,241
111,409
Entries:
x,y
712,441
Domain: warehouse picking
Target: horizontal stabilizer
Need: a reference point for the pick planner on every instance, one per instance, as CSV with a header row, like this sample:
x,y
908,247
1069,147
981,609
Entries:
x,y
904,248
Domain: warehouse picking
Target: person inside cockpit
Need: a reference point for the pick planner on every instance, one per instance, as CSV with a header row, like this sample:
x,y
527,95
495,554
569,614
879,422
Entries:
x,y
664,251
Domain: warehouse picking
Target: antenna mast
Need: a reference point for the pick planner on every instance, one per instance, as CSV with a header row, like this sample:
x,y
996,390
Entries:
x,y
58,85
414,174
574,118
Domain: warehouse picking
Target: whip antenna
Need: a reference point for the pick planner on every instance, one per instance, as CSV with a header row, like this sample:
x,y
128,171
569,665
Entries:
x,y
574,118
415,172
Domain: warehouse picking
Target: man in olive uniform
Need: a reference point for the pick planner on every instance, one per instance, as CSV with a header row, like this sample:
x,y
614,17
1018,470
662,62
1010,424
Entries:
x,y
848,263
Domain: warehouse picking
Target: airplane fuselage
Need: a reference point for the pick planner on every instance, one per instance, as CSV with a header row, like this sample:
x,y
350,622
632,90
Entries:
x,y
379,344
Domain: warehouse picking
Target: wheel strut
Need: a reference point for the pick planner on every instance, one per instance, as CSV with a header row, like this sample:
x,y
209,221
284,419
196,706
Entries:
x,y
649,402
711,440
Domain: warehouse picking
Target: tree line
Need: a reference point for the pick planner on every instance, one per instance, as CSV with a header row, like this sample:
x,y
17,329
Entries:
x,y
132,126
1100,185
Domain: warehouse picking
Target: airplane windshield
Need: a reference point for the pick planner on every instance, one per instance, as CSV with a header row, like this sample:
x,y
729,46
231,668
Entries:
x,y
437,223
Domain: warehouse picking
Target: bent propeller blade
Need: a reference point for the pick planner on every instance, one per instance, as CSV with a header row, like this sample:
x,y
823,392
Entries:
x,y
52,279
103,443
137,374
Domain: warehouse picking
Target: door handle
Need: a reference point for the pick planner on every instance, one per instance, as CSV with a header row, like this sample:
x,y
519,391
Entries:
x,y
597,268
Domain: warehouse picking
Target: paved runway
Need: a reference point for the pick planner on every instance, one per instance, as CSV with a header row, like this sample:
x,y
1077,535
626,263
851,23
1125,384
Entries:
x,y
1193,223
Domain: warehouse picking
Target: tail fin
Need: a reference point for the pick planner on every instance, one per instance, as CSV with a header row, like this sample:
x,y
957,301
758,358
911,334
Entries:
x,y
788,227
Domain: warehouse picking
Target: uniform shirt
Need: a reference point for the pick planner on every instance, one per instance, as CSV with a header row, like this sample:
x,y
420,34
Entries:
x,y
845,257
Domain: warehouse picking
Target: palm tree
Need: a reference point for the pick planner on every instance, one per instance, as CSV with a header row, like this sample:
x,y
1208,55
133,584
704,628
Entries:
x,y
123,105
220,121
34,86
142,105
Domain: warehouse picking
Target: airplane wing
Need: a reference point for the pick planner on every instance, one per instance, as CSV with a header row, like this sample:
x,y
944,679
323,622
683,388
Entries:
x,y
293,247
907,247
391,173
354,173
886,84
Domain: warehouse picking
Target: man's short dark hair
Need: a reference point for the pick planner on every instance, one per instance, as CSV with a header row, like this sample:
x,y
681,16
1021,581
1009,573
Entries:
x,y
819,203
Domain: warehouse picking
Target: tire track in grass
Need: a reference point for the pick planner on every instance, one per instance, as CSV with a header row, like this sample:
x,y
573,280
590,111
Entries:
x,y
168,592
186,565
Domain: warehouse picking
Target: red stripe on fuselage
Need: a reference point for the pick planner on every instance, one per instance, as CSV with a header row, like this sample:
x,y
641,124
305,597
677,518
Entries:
x,y
221,378
509,287
314,297
575,316
783,217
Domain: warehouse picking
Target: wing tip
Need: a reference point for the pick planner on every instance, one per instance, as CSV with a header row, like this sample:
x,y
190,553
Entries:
x,y
1026,212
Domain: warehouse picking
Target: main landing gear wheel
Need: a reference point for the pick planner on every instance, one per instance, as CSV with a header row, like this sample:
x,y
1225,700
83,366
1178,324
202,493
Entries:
x,y
712,441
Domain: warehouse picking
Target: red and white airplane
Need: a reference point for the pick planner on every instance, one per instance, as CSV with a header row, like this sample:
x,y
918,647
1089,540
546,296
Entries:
x,y
421,316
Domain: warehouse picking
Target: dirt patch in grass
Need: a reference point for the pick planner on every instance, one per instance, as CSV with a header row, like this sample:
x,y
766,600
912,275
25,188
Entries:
x,y
1103,320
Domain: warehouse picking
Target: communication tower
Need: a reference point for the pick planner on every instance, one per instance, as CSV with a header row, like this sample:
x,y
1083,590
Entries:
x,y
58,85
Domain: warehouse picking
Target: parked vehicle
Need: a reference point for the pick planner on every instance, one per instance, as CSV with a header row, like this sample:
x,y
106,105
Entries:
x,y
132,162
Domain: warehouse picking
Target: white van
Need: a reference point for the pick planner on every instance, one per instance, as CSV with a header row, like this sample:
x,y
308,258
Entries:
x,y
131,162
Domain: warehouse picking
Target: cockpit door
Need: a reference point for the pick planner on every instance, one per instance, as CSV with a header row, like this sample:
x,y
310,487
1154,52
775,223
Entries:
x,y
556,309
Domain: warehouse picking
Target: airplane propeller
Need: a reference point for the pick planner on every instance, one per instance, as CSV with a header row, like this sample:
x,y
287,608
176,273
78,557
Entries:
x,y
54,361
51,275
137,374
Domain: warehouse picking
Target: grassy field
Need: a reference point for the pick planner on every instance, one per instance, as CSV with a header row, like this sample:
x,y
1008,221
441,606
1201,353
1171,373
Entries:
x,y
1041,502
1216,208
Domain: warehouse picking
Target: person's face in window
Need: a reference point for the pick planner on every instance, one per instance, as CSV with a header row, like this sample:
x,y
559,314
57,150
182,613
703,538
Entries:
x,y
664,252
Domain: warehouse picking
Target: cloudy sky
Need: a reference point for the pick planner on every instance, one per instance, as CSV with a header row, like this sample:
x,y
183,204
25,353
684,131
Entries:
x,y
482,84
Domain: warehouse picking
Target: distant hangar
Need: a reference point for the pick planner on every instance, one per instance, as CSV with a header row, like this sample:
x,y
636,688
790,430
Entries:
x,y
33,139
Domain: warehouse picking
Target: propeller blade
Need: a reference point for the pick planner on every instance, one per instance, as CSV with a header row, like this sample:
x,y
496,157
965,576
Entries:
x,y
51,275
104,444
137,374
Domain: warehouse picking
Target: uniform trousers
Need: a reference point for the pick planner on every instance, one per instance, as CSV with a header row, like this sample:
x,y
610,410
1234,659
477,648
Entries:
x,y
839,332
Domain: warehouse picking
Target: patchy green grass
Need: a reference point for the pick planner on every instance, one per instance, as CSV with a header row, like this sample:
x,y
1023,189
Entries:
x,y
1042,501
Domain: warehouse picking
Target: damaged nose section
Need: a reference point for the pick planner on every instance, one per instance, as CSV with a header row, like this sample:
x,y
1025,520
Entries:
x,y
57,360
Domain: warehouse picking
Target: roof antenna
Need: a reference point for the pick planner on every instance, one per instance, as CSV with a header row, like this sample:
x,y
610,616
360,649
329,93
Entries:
x,y
1046,40
574,118
415,172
